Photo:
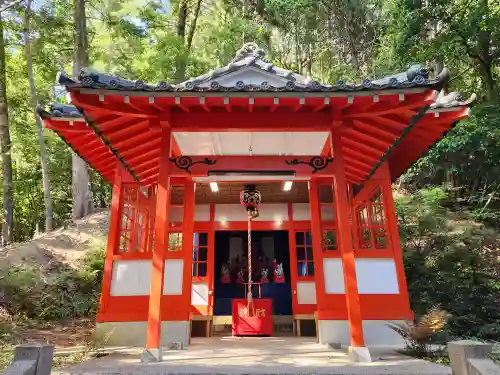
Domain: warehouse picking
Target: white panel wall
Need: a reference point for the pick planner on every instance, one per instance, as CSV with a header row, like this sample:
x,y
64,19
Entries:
x,y
230,212
176,214
202,212
199,294
301,211
327,212
131,278
236,212
306,292
377,333
277,212
376,276
172,277
334,276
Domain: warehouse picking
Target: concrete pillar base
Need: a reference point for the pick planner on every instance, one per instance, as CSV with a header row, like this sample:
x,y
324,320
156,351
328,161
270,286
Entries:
x,y
359,354
151,356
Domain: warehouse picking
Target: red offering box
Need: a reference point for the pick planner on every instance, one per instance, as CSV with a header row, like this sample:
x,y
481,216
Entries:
x,y
258,324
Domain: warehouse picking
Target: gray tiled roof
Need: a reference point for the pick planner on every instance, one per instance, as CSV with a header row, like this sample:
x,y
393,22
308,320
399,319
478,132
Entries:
x,y
250,55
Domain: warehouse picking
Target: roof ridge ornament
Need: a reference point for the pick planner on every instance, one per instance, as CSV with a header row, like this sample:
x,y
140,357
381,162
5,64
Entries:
x,y
451,99
249,49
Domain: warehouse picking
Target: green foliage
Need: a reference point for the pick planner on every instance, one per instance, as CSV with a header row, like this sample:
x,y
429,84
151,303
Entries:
x,y
450,261
93,262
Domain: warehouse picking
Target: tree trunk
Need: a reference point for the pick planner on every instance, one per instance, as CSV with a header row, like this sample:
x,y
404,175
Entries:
x,y
47,196
5,149
192,29
485,57
82,196
489,83
180,69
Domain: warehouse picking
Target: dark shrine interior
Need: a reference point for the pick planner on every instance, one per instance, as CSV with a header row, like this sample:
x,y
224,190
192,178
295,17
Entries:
x,y
262,257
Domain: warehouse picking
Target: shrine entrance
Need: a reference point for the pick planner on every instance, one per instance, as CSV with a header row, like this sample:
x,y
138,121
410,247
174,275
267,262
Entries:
x,y
269,249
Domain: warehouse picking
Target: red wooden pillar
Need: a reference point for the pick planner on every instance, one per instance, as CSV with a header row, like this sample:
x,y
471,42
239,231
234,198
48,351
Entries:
x,y
187,244
293,258
317,242
113,242
211,271
392,227
113,239
343,211
162,226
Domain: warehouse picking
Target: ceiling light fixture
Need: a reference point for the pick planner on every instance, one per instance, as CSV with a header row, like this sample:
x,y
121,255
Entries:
x,y
287,186
214,187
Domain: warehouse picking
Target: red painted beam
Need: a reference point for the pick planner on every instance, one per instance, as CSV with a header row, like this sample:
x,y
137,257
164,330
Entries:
x,y
141,138
254,121
128,132
108,126
141,148
249,165
367,139
358,164
416,101
64,126
145,156
92,103
361,148
146,166
361,156
368,126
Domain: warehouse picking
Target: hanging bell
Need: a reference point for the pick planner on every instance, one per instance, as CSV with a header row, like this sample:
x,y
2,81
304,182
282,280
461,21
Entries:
x,y
250,199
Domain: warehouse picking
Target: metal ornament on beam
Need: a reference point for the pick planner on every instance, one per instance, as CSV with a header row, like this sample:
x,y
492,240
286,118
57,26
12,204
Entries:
x,y
317,163
186,162
255,165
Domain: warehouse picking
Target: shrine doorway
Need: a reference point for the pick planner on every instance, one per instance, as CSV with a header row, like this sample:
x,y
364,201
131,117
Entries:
x,y
231,247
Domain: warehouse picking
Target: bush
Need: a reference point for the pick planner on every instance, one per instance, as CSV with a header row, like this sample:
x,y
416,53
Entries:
x,y
70,293
93,262
450,261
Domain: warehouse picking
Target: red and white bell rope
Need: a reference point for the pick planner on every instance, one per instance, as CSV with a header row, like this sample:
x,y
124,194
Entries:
x,y
250,198
250,281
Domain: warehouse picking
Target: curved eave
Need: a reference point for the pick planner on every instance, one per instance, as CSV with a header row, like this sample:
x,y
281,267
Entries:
x,y
433,128
83,141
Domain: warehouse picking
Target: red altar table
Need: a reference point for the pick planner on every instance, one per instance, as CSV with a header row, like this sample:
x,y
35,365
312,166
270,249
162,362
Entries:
x,y
258,322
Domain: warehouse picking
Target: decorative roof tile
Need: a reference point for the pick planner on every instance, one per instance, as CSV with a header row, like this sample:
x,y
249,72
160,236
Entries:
x,y
59,110
250,56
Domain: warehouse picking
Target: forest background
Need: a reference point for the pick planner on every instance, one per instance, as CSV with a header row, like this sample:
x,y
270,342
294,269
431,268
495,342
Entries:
x,y
448,202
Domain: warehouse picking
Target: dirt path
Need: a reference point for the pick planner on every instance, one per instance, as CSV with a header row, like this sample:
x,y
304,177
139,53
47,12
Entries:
x,y
61,335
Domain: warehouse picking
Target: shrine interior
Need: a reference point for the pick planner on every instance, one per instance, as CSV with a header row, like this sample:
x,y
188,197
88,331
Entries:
x,y
269,248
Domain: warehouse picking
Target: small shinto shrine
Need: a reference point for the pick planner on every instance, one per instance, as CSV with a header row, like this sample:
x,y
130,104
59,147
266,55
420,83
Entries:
x,y
253,198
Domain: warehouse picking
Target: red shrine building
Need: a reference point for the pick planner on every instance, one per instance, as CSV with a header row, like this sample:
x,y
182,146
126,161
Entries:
x,y
316,240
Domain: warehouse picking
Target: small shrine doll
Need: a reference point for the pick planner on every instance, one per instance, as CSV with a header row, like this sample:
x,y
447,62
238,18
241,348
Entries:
x,y
224,274
264,279
240,277
275,265
279,276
